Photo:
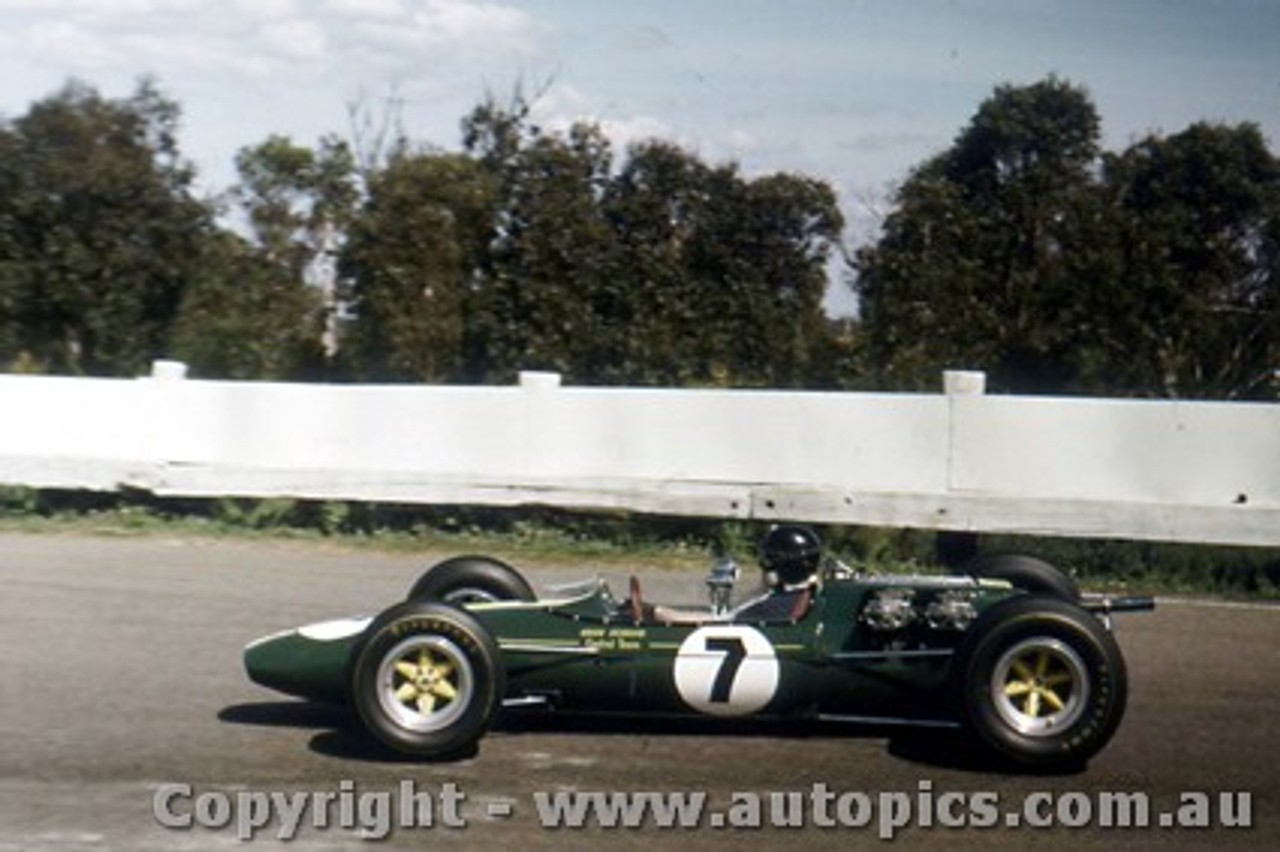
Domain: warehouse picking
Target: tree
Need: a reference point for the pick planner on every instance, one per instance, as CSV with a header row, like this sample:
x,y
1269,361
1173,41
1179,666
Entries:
x,y
100,233
543,293
1025,251
299,202
982,264
15,268
294,195
733,278
1197,309
763,263
653,206
257,309
242,320
409,263
666,271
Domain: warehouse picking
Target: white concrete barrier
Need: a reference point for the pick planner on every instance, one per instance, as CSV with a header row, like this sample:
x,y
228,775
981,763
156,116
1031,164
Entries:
x,y
965,460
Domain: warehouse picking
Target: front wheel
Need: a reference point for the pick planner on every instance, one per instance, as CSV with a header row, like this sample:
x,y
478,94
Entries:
x,y
1041,682
426,679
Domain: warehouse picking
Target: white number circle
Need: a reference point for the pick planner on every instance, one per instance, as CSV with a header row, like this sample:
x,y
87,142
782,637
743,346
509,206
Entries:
x,y
726,670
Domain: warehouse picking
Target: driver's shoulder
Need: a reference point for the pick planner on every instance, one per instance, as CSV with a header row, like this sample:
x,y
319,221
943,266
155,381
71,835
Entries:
x,y
784,605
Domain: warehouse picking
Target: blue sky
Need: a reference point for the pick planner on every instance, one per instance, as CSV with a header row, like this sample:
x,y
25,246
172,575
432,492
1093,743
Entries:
x,y
853,91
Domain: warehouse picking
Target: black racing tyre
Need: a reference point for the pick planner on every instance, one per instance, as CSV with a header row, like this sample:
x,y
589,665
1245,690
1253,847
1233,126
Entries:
x,y
1027,573
471,579
1041,682
426,679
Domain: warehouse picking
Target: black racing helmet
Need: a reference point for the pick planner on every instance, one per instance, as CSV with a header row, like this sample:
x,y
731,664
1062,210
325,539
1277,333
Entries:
x,y
790,555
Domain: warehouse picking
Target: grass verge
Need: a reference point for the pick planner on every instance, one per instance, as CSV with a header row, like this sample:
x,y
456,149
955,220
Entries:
x,y
621,538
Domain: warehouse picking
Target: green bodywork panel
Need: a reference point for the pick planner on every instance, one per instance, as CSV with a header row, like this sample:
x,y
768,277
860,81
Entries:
x,y
586,652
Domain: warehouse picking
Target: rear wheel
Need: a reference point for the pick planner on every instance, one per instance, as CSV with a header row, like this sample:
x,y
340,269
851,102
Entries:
x,y
1027,573
471,579
1041,682
426,679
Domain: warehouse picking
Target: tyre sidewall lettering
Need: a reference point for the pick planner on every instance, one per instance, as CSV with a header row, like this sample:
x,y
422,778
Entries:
x,y
412,626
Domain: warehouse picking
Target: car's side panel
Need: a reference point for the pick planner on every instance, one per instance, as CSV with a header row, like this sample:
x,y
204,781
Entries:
x,y
617,665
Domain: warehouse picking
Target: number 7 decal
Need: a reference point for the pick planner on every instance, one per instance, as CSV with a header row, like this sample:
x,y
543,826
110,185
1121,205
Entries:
x,y
734,653
726,670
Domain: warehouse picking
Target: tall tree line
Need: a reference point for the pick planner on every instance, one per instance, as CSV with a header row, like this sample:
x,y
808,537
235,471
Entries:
x,y
1027,251
526,249
535,250
1023,248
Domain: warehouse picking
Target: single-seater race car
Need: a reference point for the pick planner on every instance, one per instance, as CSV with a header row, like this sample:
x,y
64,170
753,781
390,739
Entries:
x,y
1009,652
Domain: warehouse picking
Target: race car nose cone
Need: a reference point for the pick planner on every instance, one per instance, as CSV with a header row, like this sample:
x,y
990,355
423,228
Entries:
x,y
298,663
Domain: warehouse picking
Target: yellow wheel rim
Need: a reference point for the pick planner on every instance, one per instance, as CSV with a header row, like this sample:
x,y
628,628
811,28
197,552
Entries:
x,y
1040,686
425,682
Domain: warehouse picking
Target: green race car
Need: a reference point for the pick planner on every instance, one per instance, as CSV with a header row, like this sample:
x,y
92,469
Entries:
x,y
1009,651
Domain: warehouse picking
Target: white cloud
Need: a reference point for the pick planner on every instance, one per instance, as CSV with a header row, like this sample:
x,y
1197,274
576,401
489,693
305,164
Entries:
x,y
460,21
104,8
742,142
461,24
639,128
67,41
268,10
174,38
563,105
377,10
560,105
295,38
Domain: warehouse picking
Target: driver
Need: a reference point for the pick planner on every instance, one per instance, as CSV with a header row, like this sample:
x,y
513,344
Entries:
x,y
790,556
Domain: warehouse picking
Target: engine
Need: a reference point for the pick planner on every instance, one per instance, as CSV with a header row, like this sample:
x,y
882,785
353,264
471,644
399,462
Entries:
x,y
893,609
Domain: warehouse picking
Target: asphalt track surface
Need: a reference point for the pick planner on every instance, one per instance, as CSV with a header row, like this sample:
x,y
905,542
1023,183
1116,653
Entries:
x,y
121,676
